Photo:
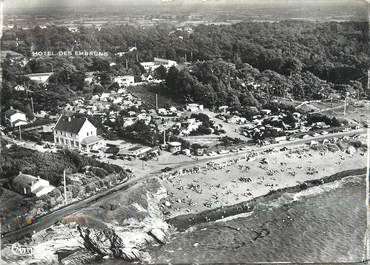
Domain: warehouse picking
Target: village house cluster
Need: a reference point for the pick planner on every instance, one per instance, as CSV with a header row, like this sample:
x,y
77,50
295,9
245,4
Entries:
x,y
186,129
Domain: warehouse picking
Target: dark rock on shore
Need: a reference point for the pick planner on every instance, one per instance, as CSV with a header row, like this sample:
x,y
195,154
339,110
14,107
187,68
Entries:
x,y
106,243
81,257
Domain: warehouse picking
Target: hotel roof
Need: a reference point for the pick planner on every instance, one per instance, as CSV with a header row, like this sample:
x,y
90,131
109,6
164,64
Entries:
x,y
70,124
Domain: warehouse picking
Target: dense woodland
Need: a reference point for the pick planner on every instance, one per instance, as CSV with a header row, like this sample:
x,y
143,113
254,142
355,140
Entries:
x,y
301,60
337,52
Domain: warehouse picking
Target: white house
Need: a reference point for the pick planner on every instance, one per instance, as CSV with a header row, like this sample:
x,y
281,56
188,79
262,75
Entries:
x,y
125,80
151,66
19,88
121,91
223,108
72,132
89,78
104,96
15,118
166,63
40,78
193,107
136,151
73,29
128,122
30,185
162,111
174,147
266,112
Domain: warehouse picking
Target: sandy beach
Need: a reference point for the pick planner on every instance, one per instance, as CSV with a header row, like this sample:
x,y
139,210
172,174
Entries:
x,y
220,184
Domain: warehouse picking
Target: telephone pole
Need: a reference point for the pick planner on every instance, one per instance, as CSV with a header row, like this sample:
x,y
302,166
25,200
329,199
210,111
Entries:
x,y
65,187
156,101
32,107
345,104
136,53
20,133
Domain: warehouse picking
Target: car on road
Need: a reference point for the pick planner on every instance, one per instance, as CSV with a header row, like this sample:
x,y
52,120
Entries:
x,y
166,169
212,153
112,157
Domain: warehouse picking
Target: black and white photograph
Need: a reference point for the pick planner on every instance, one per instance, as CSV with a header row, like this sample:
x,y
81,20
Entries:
x,y
184,132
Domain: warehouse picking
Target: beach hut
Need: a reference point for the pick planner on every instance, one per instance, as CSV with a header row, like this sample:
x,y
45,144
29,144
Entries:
x,y
174,147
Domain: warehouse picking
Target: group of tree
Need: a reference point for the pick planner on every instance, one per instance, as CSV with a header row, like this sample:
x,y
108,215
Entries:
x,y
333,51
47,165
216,83
301,60
140,132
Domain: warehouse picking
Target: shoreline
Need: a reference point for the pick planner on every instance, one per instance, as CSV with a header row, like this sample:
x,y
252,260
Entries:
x,y
226,182
183,222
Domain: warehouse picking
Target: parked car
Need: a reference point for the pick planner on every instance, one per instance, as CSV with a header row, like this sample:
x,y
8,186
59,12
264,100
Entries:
x,y
166,169
212,154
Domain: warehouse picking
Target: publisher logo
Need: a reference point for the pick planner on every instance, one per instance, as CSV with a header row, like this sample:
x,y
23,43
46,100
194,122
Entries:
x,y
20,250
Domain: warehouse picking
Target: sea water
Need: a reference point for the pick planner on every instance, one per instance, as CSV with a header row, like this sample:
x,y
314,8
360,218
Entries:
x,y
321,224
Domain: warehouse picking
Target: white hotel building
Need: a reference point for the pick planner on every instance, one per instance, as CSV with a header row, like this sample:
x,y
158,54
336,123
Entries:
x,y
76,133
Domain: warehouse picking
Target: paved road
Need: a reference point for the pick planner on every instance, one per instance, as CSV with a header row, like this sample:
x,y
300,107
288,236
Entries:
x,y
333,108
57,215
51,218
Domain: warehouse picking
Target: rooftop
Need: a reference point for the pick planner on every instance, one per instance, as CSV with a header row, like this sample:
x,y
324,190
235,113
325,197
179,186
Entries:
x,y
40,74
25,180
91,140
11,112
70,124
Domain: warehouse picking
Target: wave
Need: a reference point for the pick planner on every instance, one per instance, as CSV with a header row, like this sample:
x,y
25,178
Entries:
x,y
289,197
327,187
241,215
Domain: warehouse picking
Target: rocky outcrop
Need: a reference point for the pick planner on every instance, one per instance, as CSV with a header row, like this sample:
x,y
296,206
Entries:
x,y
119,226
65,252
107,243
80,257
158,234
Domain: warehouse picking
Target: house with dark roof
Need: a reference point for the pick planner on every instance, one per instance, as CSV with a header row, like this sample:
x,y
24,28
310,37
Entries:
x,y
15,118
76,133
29,185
